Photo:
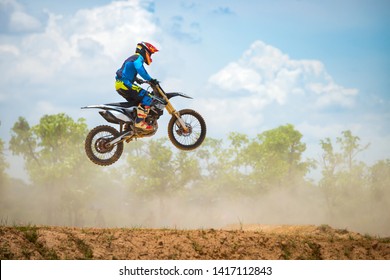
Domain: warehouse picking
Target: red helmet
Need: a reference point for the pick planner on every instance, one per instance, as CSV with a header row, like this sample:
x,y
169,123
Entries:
x,y
146,50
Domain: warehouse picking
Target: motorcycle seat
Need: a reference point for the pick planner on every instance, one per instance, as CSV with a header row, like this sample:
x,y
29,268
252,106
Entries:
x,y
123,104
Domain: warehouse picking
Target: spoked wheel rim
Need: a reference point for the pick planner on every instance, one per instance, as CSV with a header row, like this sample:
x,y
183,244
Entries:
x,y
191,135
194,134
97,145
100,145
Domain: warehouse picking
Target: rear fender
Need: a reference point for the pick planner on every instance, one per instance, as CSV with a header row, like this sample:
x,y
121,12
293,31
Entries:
x,y
110,107
113,114
115,117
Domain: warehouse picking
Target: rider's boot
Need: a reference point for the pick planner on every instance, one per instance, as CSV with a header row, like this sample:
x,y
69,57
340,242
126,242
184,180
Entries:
x,y
142,113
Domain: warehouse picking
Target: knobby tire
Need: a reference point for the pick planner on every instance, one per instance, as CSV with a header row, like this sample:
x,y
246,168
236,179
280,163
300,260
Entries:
x,y
185,142
99,157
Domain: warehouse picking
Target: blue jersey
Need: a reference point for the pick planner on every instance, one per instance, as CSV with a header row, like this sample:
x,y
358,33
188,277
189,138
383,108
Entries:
x,y
131,67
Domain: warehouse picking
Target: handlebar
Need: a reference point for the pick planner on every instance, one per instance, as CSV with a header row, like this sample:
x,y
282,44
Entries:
x,y
152,82
139,81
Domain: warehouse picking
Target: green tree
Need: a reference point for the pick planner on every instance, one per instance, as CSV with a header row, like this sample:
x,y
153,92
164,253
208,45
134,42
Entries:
x,y
330,160
150,169
3,163
223,167
350,148
211,170
380,193
276,157
150,176
3,177
341,165
380,181
344,178
186,169
54,159
209,155
232,165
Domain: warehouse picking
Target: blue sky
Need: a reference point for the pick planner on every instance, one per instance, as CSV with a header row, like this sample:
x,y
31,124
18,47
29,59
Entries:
x,y
322,66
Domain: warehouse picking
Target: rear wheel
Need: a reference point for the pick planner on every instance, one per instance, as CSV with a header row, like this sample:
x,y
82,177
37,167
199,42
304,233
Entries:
x,y
97,148
194,136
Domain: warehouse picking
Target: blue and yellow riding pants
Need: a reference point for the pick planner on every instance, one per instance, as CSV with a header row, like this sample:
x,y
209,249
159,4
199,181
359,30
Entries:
x,y
135,93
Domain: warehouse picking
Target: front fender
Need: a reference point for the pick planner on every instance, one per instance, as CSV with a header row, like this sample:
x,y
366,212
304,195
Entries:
x,y
173,94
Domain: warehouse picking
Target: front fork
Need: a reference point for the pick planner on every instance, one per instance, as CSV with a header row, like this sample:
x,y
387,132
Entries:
x,y
179,120
172,110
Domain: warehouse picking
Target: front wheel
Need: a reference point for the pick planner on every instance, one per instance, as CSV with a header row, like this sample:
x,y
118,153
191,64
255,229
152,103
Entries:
x,y
97,148
191,138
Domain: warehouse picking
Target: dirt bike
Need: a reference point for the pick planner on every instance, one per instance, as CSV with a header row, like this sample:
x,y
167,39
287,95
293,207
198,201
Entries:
x,y
104,143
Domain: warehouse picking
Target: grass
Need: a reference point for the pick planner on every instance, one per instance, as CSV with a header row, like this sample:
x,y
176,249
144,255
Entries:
x,y
6,254
324,228
368,236
287,247
385,240
342,231
286,253
348,251
197,247
83,247
315,250
109,238
30,232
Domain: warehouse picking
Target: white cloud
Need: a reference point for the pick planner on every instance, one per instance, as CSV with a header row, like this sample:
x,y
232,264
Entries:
x,y
117,27
265,88
224,115
264,72
72,51
331,93
70,62
22,22
234,75
7,50
15,19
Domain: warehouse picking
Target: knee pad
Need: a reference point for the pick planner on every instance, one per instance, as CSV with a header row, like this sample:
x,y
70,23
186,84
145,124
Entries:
x,y
146,99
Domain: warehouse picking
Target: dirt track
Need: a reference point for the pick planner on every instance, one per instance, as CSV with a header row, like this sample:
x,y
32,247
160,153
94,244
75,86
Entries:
x,y
233,242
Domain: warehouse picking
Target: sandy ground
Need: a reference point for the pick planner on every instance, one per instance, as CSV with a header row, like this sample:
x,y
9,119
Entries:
x,y
235,242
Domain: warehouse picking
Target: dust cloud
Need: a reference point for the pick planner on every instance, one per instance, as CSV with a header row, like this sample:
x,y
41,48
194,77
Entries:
x,y
112,202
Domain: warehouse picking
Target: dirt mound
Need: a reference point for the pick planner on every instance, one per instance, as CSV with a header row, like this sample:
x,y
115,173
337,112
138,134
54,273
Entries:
x,y
233,242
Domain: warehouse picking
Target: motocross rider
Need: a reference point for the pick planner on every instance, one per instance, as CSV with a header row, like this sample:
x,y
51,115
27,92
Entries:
x,y
126,76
